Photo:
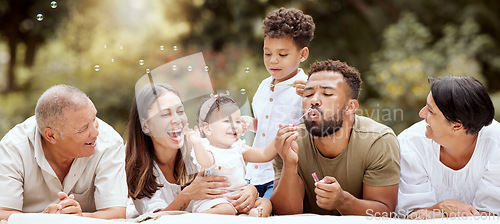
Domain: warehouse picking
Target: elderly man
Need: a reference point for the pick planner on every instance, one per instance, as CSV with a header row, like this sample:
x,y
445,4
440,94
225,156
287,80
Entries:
x,y
63,160
355,158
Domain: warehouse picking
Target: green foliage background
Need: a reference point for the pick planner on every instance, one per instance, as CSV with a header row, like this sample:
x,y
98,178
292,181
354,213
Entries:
x,y
395,44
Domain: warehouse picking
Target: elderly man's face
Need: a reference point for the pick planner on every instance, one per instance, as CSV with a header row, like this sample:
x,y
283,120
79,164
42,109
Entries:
x,y
79,131
327,94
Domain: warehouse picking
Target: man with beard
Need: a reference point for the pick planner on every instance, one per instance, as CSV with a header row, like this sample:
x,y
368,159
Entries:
x,y
356,158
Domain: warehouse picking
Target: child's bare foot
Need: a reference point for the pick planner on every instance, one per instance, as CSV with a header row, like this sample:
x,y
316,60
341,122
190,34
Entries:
x,y
255,212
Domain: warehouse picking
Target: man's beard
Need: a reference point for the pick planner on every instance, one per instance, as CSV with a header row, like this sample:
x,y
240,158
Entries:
x,y
327,126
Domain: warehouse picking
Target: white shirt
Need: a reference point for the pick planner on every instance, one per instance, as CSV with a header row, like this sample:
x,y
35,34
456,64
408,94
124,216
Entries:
x,y
425,181
29,184
162,197
270,108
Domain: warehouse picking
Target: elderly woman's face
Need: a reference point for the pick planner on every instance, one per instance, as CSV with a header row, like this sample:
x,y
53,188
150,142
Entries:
x,y
438,128
167,120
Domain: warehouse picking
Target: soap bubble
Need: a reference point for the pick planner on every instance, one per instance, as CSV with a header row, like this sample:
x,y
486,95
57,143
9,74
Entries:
x,y
162,48
206,68
243,91
97,68
190,68
53,4
175,48
174,67
141,62
247,70
39,17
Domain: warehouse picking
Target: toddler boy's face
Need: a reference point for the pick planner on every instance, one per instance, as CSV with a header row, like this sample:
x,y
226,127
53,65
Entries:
x,y
282,58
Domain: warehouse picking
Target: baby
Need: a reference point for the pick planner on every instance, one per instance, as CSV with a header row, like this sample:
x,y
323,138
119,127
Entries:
x,y
222,152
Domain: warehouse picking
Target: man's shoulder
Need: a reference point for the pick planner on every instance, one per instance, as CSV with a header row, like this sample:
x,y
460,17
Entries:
x,y
365,125
22,133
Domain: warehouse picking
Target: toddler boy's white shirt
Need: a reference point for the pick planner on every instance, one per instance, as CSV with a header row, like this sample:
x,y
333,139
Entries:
x,y
271,108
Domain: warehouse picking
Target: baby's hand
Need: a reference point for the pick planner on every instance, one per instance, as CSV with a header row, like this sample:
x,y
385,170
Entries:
x,y
299,86
247,123
193,135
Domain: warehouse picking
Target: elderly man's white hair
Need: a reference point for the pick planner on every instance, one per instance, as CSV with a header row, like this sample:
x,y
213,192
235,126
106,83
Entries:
x,y
49,108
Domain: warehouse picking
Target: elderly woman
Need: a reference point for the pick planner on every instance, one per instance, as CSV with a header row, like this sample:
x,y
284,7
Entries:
x,y
160,170
450,161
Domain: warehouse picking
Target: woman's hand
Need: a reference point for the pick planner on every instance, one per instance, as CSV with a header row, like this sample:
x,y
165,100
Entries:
x,y
426,214
206,187
245,199
452,208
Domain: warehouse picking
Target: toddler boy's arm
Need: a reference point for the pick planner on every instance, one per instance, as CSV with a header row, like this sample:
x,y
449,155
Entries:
x,y
299,86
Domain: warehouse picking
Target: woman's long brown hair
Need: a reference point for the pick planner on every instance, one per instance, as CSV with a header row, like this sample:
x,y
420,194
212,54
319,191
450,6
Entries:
x,y
140,153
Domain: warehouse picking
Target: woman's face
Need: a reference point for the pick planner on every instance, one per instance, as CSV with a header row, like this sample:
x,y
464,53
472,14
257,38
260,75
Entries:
x,y
166,121
438,127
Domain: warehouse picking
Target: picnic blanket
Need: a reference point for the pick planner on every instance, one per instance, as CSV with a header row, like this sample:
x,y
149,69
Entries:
x,y
197,218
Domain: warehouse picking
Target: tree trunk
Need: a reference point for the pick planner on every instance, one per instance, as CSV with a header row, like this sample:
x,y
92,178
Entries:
x,y
11,78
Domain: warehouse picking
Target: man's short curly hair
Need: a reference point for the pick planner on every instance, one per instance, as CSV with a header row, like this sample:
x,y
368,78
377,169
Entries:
x,y
292,23
351,75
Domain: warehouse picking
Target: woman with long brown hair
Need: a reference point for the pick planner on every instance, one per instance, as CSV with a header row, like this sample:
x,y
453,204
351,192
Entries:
x,y
160,170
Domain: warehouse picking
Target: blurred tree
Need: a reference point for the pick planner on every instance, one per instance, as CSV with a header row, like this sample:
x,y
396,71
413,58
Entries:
x,y
30,22
410,54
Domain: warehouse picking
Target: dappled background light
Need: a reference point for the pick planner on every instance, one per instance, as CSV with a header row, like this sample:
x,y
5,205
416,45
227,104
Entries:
x,y
105,47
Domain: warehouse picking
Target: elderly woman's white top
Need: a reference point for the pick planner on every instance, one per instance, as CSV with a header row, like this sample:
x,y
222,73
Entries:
x,y
425,181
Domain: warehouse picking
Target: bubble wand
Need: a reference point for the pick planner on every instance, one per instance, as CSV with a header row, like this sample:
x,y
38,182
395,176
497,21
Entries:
x,y
297,121
280,84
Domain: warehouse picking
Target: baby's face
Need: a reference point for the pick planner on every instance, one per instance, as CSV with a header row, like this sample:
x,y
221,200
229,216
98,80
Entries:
x,y
225,127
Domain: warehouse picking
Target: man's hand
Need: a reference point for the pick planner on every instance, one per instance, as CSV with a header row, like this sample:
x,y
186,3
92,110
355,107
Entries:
x,y
285,143
65,205
329,193
299,86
